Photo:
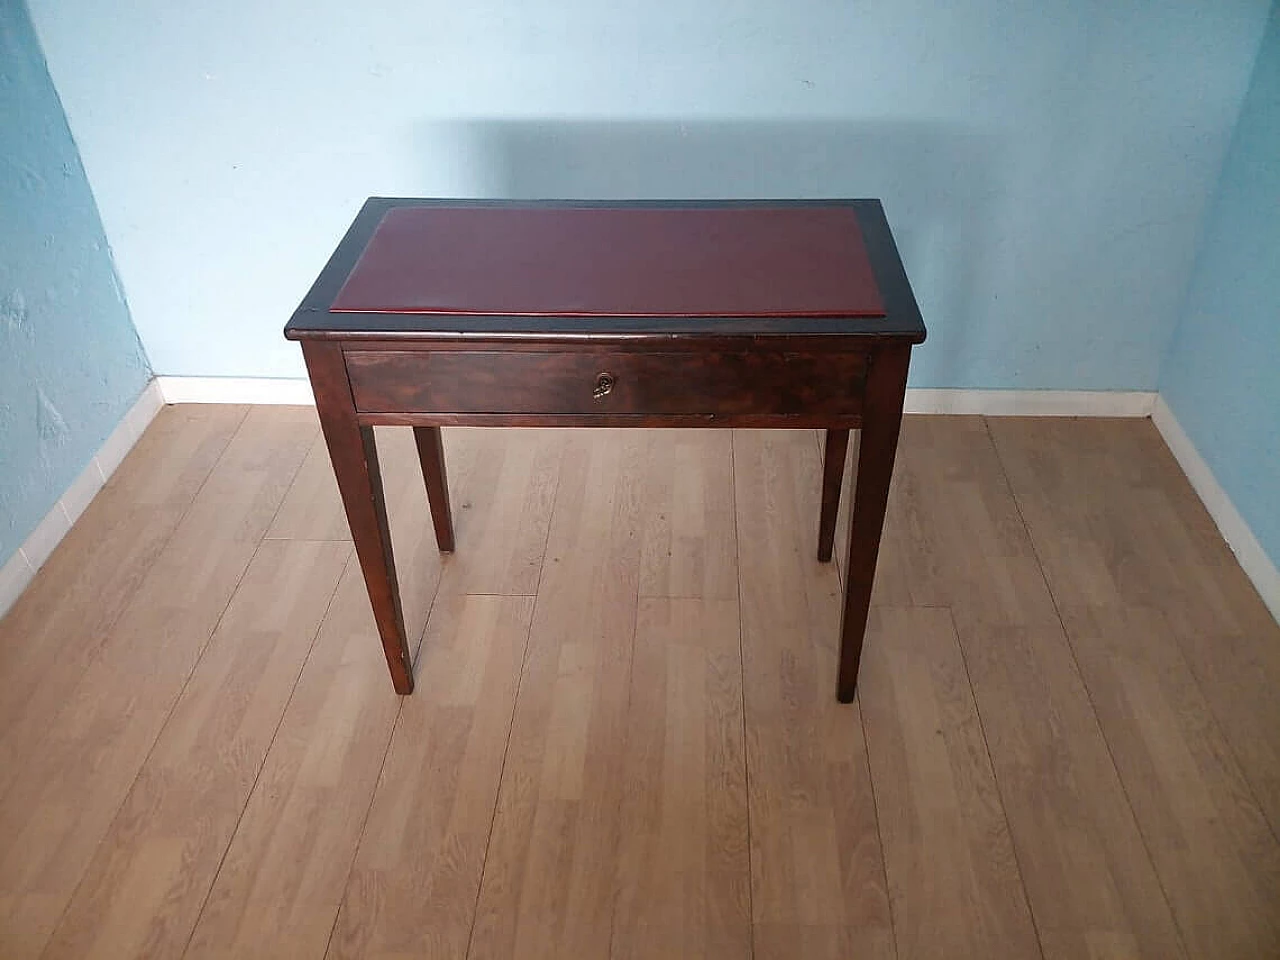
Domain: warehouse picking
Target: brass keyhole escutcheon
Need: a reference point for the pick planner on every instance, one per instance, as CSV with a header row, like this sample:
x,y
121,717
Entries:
x,y
604,385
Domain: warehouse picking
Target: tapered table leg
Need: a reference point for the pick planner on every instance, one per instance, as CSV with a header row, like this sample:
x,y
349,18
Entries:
x,y
431,454
833,454
882,420
355,465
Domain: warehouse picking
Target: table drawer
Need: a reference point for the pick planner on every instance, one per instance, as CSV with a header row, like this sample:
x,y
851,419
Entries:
x,y
726,384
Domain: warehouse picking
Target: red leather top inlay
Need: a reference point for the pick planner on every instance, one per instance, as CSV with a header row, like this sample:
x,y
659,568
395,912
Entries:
x,y
622,262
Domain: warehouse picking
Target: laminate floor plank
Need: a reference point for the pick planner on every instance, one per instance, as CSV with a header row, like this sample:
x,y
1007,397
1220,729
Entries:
x,y
76,773
57,626
549,875
954,884
309,812
683,867
280,885
688,528
147,881
1108,512
1215,853
503,485
1092,888
312,510
412,891
818,884
1117,524
277,891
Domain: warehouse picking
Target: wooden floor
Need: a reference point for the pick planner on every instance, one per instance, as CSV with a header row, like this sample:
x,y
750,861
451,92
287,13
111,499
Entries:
x,y
625,741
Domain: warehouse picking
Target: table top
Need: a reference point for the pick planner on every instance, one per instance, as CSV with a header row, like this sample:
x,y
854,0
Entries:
x,y
423,269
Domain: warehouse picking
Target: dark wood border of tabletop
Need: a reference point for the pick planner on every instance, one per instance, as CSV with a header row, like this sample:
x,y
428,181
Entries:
x,y
426,371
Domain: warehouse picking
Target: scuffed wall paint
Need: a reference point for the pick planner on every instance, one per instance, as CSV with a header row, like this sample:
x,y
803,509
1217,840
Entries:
x,y
70,360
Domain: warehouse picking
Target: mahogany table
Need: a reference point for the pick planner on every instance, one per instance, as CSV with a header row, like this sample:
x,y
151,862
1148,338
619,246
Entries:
x,y
637,314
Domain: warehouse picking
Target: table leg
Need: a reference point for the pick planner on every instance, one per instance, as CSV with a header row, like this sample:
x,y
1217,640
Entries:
x,y
833,455
355,465
882,420
431,454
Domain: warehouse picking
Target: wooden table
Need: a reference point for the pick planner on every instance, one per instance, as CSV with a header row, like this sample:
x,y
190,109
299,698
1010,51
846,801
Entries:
x,y
636,314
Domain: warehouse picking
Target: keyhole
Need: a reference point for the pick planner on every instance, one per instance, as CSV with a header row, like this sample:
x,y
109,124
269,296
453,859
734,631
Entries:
x,y
604,385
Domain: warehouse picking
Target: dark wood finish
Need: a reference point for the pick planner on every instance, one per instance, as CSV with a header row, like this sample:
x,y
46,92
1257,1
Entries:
x,y
314,318
697,384
614,261
355,465
886,390
427,369
746,421
833,453
431,455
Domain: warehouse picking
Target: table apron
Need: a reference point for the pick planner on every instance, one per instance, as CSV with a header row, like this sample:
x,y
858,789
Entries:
x,y
745,420
743,386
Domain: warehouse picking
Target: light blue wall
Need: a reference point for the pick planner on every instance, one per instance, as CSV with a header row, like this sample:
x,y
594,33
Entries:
x,y
1222,377
70,361
1045,163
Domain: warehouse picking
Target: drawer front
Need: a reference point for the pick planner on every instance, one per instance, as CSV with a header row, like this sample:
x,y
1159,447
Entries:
x,y
607,384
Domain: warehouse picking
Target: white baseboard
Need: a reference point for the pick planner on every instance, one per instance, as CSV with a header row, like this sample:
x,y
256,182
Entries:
x,y
1032,403
994,403
20,569
265,390
1257,566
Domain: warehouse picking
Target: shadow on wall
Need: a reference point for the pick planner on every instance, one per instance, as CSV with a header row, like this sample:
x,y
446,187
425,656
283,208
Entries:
x,y
937,183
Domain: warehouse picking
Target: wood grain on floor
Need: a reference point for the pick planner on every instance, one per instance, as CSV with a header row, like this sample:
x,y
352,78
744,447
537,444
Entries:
x,y
682,865
955,887
625,741
1090,882
818,882
424,845
548,878
75,773
1116,524
144,889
